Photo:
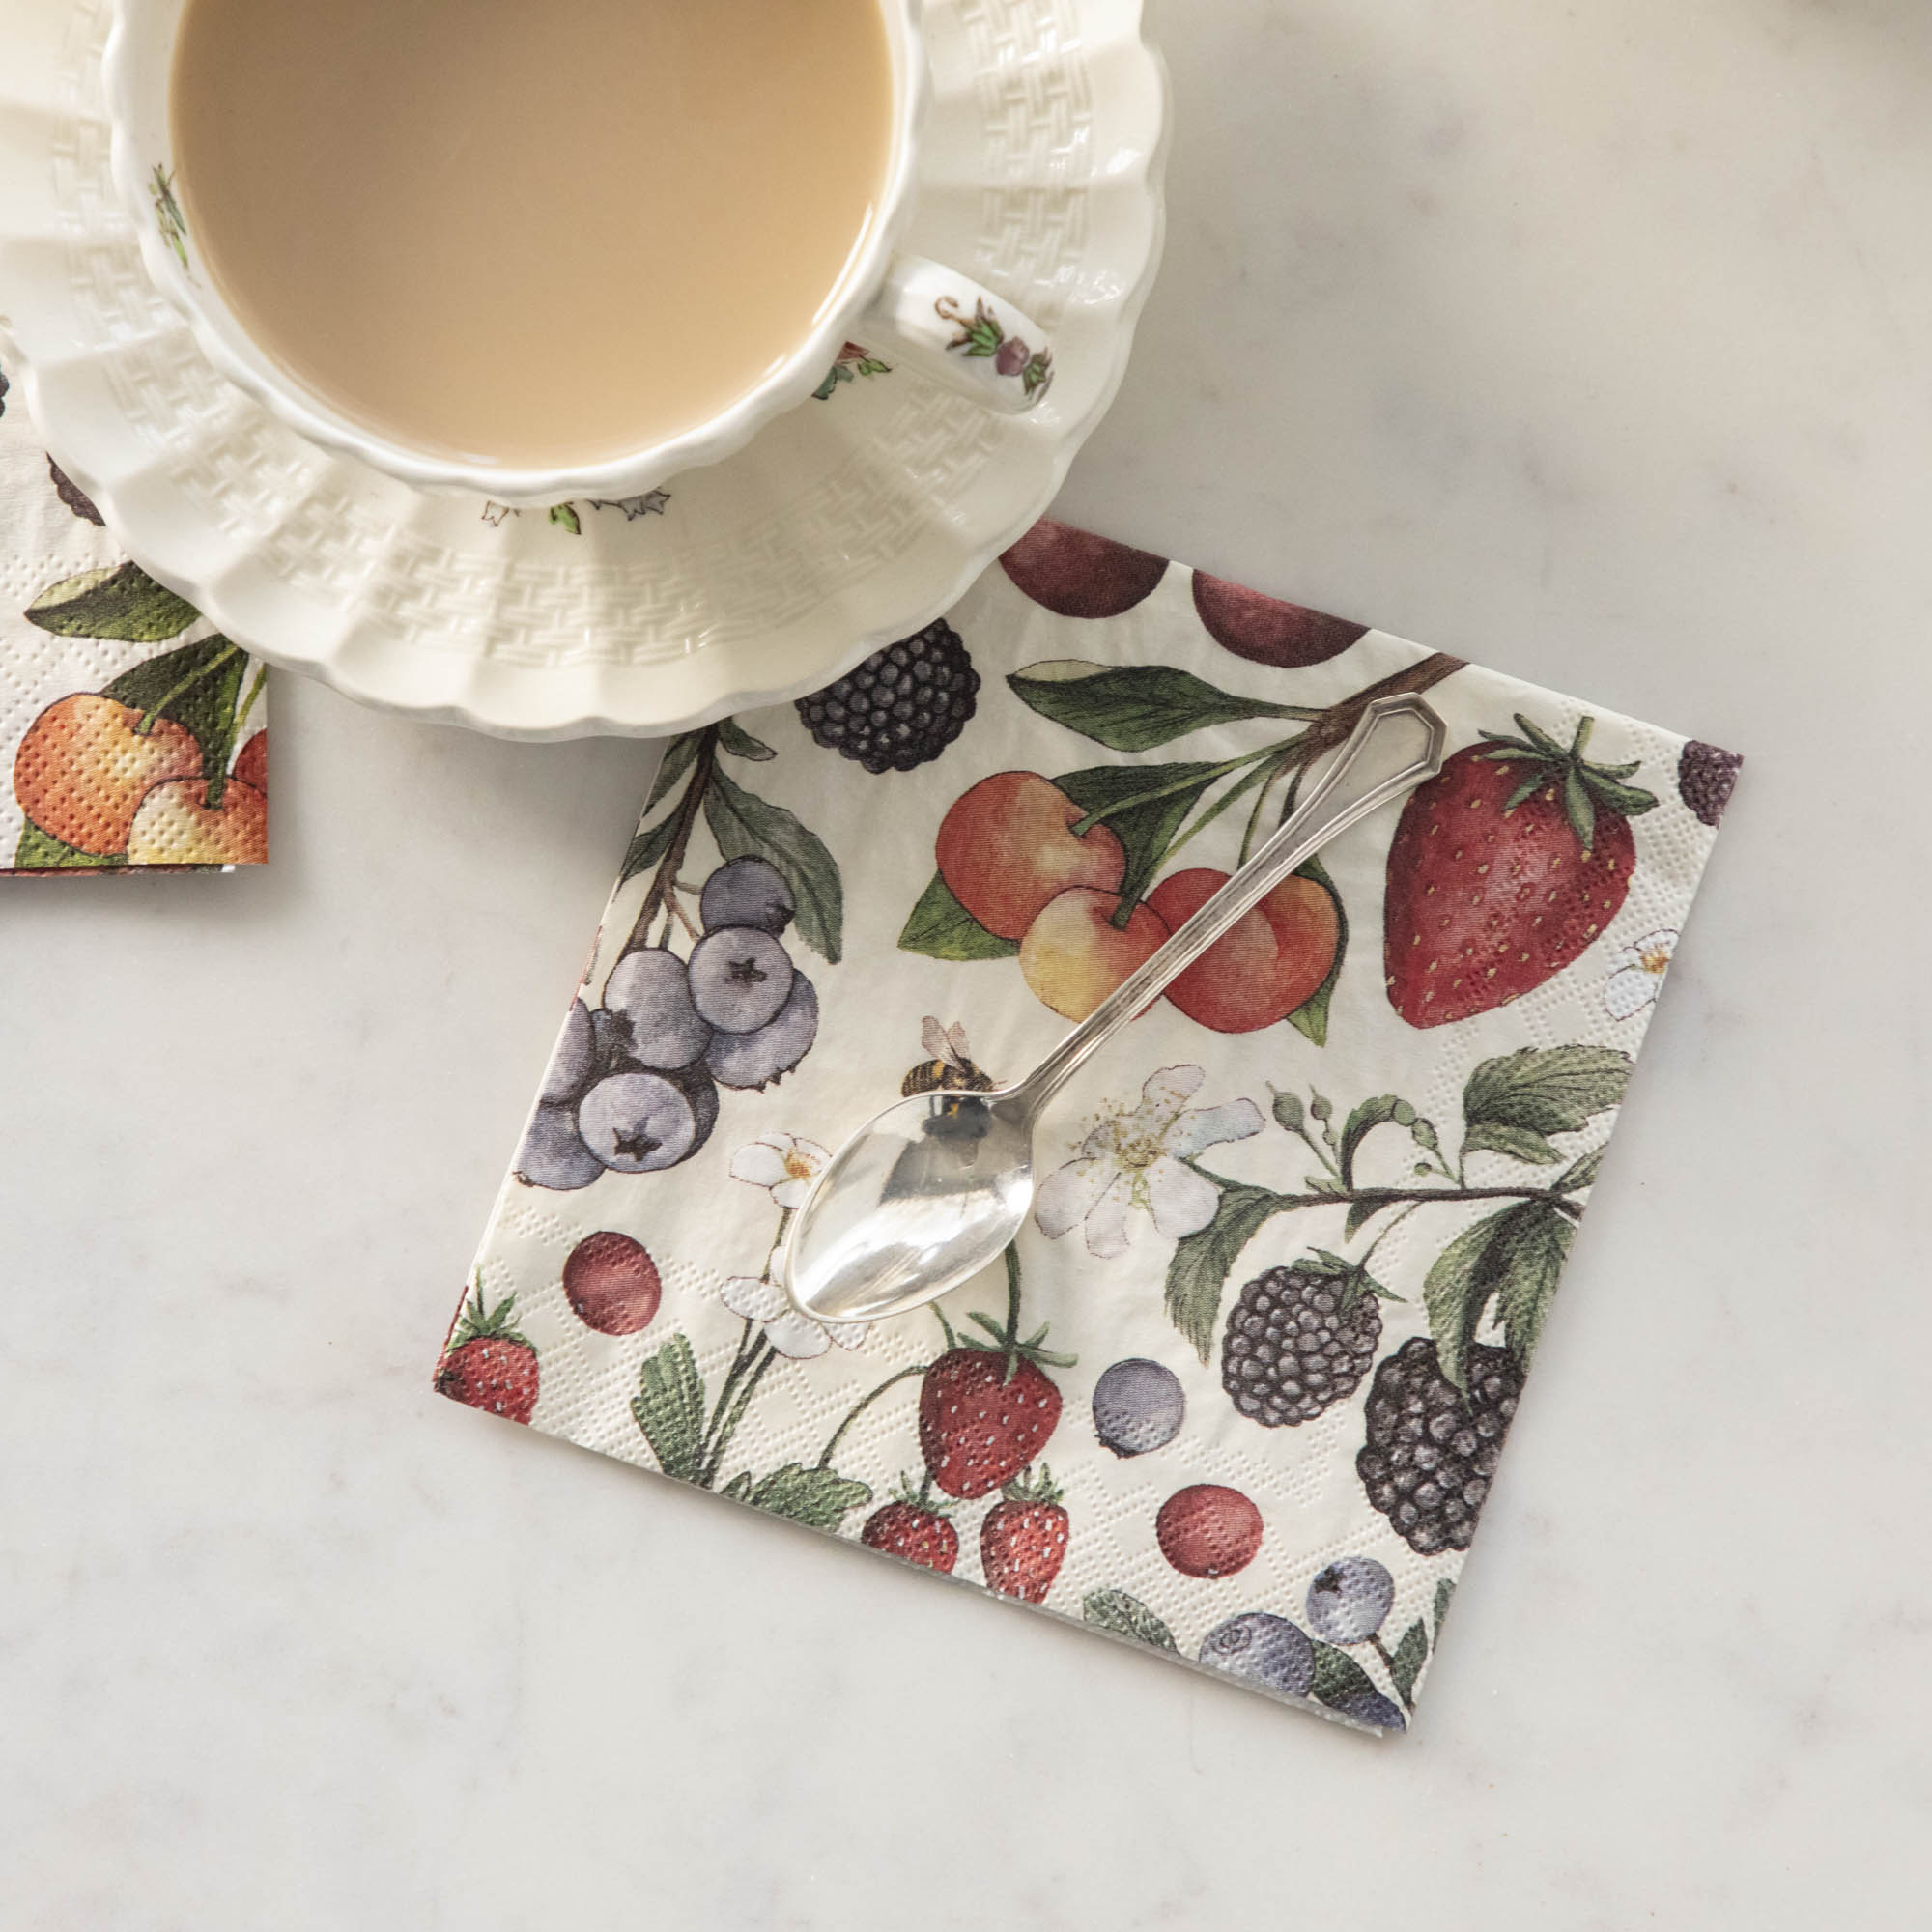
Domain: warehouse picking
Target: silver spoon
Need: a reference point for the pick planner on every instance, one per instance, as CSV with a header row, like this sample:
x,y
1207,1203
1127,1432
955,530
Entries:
x,y
928,1192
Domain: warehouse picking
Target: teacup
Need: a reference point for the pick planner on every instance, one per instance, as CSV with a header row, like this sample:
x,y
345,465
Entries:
x,y
917,313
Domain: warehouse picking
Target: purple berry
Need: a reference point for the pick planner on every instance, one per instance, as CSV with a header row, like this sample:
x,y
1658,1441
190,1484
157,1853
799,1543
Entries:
x,y
1010,357
639,1123
574,1060
747,891
1371,1708
554,1154
747,1060
1349,1601
740,977
1706,776
1138,1405
649,992
1266,1650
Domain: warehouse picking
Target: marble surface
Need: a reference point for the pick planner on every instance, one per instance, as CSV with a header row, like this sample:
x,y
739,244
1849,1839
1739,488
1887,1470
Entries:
x,y
1592,342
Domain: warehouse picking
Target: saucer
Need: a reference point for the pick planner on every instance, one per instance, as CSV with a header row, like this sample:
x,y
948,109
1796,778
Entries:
x,y
851,521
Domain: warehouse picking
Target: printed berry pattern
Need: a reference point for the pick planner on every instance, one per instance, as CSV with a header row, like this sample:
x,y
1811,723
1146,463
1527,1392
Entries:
x,y
1239,1393
138,738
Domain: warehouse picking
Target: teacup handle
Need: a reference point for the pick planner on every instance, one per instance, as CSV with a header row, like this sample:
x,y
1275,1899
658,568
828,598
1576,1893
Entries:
x,y
951,328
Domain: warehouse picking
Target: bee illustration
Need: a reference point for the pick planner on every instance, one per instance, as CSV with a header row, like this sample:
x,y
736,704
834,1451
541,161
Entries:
x,y
950,1066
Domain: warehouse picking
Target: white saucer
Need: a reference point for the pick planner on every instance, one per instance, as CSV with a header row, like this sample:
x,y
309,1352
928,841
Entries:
x,y
846,524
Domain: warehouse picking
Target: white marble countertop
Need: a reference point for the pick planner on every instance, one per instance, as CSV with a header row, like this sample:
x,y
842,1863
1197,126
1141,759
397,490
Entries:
x,y
1591,342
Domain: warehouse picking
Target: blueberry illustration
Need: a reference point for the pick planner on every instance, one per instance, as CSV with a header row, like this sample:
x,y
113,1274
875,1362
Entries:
x,y
1137,1406
554,1154
1349,1601
650,990
1371,1707
740,977
639,1123
1266,1650
757,1058
697,1087
747,891
574,1060
610,1038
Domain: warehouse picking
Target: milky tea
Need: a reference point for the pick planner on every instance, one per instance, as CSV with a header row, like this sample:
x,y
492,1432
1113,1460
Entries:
x,y
528,233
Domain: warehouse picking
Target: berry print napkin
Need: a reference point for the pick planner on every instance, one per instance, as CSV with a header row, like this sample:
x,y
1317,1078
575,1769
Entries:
x,y
1239,1392
135,739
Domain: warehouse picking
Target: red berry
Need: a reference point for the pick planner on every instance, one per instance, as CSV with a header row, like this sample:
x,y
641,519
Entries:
x,y
1023,1540
487,1363
1266,630
1505,866
613,1282
1077,574
1205,1530
914,1531
977,1427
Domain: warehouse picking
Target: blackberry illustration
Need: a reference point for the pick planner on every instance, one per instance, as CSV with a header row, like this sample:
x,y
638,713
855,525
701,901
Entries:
x,y
1298,1339
902,706
1430,1452
1705,777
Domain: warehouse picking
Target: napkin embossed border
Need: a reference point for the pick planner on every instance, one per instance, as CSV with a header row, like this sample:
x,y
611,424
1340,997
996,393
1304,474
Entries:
x,y
1239,1391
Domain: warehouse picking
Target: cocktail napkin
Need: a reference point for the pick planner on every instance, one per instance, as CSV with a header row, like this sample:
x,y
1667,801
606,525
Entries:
x,y
135,738
1238,1393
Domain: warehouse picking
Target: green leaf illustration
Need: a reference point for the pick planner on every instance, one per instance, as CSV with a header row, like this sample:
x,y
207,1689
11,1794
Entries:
x,y
1411,1655
669,1408
745,825
819,1498
1202,1262
675,763
1458,1290
1143,805
1338,1677
1515,1258
122,603
942,928
1582,1172
1445,1592
41,852
197,686
1513,1104
1311,1017
1537,1244
739,1488
648,844
732,737
1363,1120
1126,1616
1133,707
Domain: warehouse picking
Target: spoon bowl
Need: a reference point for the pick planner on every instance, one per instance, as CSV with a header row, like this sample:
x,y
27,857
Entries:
x,y
916,1203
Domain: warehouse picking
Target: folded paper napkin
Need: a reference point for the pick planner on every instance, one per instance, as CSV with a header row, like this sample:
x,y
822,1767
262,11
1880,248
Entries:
x,y
135,738
1239,1392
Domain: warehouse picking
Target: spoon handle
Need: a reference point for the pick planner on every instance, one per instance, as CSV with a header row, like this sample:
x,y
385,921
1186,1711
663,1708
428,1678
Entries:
x,y
1357,782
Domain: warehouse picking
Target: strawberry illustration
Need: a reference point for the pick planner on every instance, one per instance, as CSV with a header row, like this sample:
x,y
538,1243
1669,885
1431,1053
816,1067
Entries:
x,y
913,1527
1023,1540
486,1363
982,1417
1505,866
986,1408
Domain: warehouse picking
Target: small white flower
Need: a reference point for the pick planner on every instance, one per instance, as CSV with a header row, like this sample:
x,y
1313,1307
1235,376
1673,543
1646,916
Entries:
x,y
1137,1159
1640,974
783,1164
759,1298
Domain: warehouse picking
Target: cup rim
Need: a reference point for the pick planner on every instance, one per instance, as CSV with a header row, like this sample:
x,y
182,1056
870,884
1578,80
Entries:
x,y
233,351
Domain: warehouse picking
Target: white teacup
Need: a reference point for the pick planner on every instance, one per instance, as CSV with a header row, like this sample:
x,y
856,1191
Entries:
x,y
925,316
